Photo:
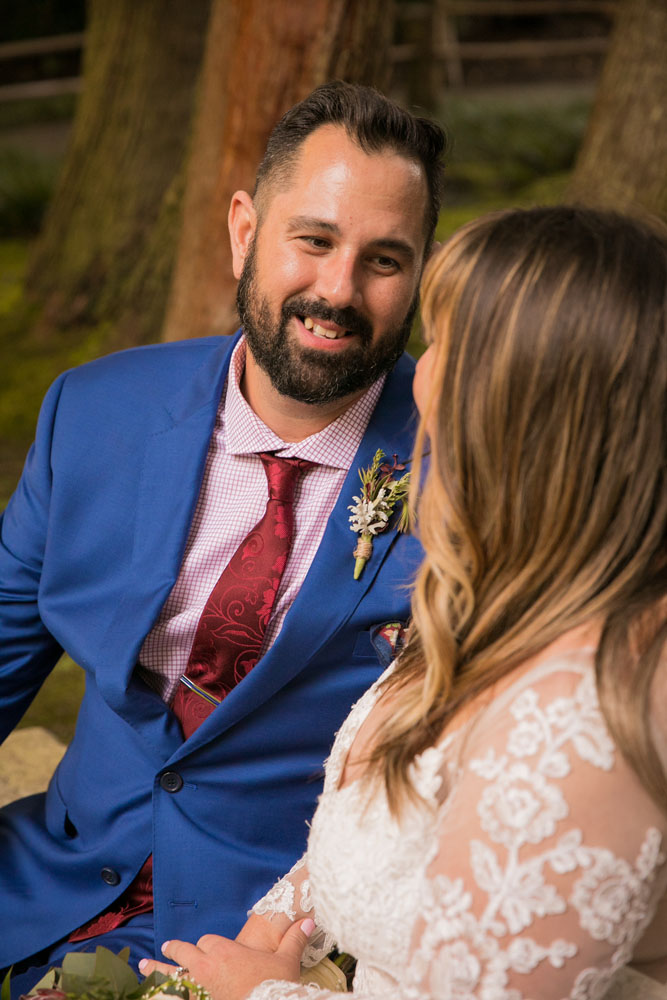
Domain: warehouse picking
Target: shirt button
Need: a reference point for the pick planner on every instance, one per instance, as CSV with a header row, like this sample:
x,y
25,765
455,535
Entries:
x,y
110,876
171,781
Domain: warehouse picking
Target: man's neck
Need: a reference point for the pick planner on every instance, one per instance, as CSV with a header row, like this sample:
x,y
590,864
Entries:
x,y
288,418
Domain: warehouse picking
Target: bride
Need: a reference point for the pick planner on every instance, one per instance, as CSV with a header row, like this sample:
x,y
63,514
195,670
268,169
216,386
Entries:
x,y
493,819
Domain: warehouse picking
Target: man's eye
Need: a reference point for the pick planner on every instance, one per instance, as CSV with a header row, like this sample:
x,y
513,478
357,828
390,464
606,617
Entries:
x,y
387,263
317,242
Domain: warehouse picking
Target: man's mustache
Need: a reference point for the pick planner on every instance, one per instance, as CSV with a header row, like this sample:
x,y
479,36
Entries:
x,y
348,318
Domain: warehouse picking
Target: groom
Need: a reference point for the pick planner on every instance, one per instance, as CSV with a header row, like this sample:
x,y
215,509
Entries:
x,y
191,777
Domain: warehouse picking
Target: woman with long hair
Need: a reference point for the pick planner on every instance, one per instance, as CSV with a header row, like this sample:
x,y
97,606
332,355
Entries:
x,y
494,814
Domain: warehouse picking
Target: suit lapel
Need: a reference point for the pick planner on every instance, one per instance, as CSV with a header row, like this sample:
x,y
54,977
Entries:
x,y
170,480
329,587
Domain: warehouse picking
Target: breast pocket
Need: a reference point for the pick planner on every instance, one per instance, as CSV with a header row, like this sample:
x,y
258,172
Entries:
x,y
382,642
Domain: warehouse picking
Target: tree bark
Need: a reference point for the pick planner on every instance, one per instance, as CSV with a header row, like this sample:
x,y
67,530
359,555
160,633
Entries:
x,y
622,163
106,251
262,56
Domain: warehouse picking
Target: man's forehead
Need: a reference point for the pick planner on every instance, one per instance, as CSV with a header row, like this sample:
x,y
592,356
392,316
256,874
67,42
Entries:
x,y
331,166
335,142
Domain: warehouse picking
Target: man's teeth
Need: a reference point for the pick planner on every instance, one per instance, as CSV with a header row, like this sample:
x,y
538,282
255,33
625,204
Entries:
x,y
319,331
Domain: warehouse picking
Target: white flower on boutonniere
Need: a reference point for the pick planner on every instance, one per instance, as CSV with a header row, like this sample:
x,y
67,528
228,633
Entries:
x,y
371,511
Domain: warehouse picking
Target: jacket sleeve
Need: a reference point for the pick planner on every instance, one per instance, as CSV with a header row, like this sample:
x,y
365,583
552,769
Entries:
x,y
27,650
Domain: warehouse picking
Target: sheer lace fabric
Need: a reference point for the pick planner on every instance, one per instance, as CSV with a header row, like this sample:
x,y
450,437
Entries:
x,y
531,868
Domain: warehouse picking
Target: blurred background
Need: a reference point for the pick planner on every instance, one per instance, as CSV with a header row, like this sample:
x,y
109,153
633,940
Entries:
x,y
125,128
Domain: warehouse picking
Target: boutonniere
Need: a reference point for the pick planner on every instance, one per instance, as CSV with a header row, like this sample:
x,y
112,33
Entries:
x,y
371,511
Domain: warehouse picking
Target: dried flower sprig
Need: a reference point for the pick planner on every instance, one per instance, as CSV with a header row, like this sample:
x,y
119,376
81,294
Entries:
x,y
371,511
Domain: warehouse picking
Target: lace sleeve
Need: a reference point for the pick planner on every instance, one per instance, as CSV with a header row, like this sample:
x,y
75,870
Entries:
x,y
550,861
290,899
548,864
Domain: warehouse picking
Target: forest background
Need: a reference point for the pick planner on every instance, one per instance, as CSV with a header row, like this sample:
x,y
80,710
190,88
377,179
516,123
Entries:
x,y
120,149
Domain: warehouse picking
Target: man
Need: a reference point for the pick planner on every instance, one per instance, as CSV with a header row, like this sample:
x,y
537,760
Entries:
x,y
148,471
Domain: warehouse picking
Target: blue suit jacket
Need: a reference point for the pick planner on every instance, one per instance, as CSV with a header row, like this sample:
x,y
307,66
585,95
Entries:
x,y
92,542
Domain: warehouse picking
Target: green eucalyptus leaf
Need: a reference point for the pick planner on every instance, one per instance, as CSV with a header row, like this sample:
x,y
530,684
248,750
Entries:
x,y
49,981
5,989
78,963
156,978
147,985
78,986
114,970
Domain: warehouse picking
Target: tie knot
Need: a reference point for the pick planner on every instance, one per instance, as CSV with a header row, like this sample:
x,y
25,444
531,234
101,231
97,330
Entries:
x,y
282,475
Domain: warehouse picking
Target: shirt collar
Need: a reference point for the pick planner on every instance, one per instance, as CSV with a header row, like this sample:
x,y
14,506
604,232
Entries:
x,y
336,445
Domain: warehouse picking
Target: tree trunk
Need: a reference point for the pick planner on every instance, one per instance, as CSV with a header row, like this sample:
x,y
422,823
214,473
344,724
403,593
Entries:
x,y
107,247
262,56
623,160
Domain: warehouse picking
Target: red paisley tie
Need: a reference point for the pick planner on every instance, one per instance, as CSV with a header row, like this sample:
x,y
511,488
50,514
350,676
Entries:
x,y
231,629
227,643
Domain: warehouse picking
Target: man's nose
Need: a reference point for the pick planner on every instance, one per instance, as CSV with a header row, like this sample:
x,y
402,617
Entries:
x,y
338,282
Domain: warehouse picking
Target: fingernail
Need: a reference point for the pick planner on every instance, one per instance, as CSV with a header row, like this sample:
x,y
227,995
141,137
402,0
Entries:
x,y
143,963
308,926
163,947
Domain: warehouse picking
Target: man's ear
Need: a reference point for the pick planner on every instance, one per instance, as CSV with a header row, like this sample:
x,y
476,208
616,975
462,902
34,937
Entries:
x,y
242,222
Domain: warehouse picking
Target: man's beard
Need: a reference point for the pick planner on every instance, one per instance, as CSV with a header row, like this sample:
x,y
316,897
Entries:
x,y
306,374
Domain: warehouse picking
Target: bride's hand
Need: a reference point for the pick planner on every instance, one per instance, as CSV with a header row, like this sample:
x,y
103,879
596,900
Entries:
x,y
262,934
228,969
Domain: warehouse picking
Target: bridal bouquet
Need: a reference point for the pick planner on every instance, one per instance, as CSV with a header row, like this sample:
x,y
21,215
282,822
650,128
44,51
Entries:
x,y
101,975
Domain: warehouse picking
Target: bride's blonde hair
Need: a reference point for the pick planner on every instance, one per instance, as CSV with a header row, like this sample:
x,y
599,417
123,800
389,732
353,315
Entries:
x,y
545,502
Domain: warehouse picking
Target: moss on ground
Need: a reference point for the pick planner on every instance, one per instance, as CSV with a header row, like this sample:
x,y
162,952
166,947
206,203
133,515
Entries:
x,y
56,706
29,362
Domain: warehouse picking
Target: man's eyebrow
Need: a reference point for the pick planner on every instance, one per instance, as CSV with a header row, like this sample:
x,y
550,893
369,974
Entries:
x,y
383,243
397,246
311,222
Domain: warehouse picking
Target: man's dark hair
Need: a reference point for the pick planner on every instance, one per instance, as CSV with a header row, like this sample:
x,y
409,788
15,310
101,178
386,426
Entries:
x,y
373,121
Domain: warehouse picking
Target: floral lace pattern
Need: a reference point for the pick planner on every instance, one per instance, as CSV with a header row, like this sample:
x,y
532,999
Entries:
x,y
532,871
280,900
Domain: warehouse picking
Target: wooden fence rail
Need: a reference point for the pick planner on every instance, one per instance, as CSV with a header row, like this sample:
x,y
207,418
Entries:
x,y
42,46
438,50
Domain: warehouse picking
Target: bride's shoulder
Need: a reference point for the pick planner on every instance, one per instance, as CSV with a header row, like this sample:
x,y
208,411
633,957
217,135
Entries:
x,y
561,673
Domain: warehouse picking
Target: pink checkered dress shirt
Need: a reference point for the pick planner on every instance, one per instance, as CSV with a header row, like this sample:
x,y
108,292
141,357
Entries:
x,y
232,500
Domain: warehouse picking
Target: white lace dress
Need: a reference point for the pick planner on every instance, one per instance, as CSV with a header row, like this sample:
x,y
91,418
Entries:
x,y
532,869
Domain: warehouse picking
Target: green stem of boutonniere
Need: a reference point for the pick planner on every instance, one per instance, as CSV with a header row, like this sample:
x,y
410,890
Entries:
x,y
362,553
371,511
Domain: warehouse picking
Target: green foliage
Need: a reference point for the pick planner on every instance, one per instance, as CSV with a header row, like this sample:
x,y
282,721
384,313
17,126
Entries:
x,y
506,153
5,989
101,975
501,146
26,184
13,259
29,362
13,114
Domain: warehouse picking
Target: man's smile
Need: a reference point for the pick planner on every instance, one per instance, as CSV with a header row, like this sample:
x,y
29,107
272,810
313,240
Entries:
x,y
322,328
319,327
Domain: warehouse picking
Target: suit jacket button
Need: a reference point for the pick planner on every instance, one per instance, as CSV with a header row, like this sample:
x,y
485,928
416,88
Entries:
x,y
110,876
171,781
